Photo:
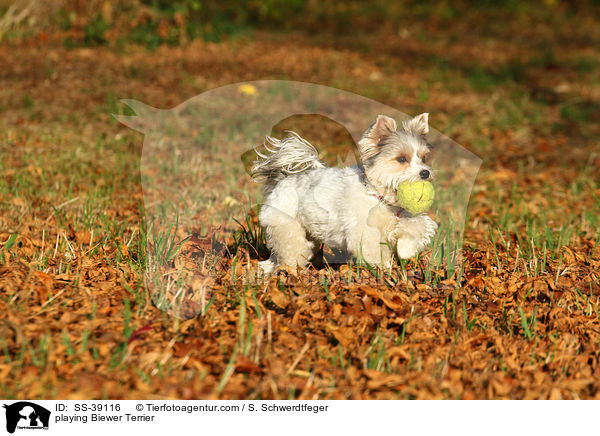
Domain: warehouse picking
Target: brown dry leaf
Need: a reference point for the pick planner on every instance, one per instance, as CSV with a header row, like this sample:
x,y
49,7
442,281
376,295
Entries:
x,y
392,301
245,365
344,335
399,351
540,286
279,298
503,174
46,279
124,251
18,201
379,380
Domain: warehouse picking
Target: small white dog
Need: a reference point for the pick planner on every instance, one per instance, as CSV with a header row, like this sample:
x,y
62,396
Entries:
x,y
354,208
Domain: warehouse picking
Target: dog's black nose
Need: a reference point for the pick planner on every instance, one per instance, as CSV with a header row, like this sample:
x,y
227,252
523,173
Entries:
x,y
424,174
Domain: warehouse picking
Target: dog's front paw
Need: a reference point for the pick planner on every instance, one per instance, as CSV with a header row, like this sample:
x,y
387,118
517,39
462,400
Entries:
x,y
407,247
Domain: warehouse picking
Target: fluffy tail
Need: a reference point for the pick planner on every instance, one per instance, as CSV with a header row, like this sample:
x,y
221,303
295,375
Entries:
x,y
290,155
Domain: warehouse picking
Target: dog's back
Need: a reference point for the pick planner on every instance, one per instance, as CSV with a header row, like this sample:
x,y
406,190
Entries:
x,y
316,197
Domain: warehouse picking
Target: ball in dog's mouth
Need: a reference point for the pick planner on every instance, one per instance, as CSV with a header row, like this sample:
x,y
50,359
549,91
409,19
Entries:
x,y
415,197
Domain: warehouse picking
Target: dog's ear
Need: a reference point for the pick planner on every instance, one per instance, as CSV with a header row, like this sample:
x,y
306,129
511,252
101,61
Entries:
x,y
418,125
383,127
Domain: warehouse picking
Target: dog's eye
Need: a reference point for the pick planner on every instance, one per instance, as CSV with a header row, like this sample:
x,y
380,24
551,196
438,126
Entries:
x,y
402,159
425,158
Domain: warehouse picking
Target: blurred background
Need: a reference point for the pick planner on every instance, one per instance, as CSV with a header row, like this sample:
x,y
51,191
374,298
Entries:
x,y
154,22
416,54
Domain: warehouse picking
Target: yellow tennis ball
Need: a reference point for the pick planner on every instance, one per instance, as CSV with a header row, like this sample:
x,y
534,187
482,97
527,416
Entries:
x,y
416,197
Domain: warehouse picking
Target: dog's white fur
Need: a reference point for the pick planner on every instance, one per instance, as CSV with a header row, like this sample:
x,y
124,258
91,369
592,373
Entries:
x,y
351,208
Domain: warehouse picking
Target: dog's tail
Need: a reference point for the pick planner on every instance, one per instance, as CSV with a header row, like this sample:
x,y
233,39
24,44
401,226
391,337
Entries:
x,y
290,155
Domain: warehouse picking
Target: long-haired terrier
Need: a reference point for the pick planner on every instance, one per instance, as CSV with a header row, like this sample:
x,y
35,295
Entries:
x,y
354,208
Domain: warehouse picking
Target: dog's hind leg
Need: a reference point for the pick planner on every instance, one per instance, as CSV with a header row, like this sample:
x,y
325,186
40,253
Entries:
x,y
267,266
287,240
289,245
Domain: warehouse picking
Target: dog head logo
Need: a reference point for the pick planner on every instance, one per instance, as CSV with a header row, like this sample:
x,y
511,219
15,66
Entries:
x,y
26,415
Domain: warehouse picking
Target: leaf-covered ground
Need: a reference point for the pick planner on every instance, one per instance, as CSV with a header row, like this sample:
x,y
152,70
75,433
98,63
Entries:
x,y
519,319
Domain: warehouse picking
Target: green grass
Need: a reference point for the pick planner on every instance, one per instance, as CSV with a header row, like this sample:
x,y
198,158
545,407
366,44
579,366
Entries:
x,y
377,357
251,236
7,245
528,324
